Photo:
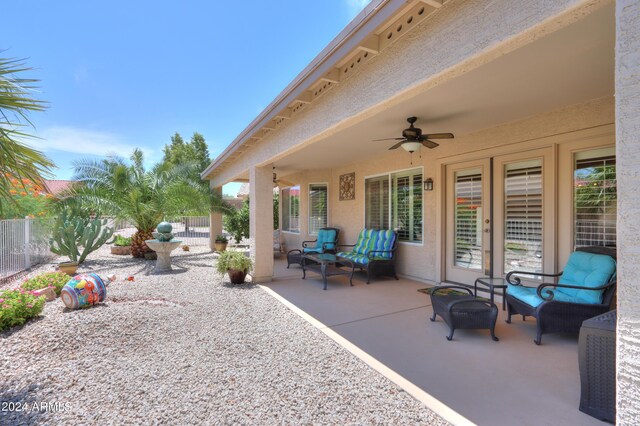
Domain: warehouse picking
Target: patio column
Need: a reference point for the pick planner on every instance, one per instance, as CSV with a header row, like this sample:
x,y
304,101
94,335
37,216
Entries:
x,y
261,222
627,92
215,222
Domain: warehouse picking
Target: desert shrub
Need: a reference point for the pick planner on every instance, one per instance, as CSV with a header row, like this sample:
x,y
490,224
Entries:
x,y
18,306
57,280
122,241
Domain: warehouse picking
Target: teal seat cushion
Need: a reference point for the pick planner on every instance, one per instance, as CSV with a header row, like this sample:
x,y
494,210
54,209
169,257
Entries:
x,y
372,240
529,295
326,236
587,270
312,250
355,257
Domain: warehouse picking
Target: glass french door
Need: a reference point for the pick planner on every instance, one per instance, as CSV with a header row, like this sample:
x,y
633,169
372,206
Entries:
x,y
500,216
467,220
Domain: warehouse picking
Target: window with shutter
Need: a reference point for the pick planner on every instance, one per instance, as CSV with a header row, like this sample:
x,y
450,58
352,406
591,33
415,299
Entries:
x,y
595,198
468,219
291,209
377,202
395,201
523,216
317,207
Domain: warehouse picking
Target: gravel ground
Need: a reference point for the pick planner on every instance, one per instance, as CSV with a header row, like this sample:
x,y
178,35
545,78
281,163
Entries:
x,y
187,348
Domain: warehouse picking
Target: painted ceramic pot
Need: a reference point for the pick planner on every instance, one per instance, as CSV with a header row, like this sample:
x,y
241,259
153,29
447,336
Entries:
x,y
83,291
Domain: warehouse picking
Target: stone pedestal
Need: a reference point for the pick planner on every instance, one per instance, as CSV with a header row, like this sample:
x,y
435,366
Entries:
x,y
163,249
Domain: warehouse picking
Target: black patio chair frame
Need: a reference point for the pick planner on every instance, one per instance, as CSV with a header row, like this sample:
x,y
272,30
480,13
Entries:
x,y
295,256
553,316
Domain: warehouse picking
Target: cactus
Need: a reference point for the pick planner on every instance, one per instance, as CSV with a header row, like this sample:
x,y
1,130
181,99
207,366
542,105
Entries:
x,y
70,234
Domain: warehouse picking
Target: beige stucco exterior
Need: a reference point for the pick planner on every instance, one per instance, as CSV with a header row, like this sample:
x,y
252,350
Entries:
x,y
576,124
628,149
456,40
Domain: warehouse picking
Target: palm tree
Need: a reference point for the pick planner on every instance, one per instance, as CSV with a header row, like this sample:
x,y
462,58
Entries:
x,y
18,162
128,191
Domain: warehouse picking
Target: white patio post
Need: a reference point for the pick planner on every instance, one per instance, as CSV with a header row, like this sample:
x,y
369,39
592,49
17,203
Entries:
x,y
261,222
627,89
215,222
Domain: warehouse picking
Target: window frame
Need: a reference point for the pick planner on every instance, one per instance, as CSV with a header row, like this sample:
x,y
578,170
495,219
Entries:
x,y
326,185
390,174
288,209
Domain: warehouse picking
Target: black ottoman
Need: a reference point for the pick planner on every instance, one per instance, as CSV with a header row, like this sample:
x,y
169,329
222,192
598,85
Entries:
x,y
465,311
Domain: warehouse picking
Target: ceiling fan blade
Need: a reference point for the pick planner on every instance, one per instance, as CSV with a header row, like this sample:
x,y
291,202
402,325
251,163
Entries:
x,y
429,144
388,139
438,136
398,145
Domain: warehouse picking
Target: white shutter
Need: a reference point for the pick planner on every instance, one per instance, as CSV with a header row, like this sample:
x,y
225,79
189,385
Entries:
x,y
317,207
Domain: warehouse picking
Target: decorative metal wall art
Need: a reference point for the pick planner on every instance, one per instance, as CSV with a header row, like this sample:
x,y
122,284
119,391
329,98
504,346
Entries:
x,y
348,186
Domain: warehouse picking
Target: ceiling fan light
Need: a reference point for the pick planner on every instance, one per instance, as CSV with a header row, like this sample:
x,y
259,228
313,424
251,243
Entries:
x,y
411,146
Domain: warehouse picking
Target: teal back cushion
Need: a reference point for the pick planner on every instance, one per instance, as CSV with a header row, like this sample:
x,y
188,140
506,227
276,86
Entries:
x,y
587,270
326,236
365,239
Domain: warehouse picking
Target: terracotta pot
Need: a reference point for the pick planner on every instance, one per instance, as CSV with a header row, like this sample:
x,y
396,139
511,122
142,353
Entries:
x,y
237,276
68,268
220,247
121,250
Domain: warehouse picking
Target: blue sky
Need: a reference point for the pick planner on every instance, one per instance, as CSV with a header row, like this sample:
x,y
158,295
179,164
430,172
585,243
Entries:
x,y
125,74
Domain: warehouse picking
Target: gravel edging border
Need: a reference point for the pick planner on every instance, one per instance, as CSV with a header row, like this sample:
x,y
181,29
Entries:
x,y
417,393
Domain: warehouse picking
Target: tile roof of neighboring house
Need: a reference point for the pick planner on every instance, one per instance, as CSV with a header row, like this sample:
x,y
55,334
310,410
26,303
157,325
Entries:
x,y
55,187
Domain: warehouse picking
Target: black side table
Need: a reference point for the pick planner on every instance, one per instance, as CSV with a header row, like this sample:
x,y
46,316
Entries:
x,y
492,284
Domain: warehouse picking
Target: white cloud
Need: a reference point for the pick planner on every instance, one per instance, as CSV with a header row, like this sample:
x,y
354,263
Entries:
x,y
82,141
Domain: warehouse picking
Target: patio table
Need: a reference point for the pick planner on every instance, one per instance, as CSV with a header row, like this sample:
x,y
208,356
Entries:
x,y
492,284
327,265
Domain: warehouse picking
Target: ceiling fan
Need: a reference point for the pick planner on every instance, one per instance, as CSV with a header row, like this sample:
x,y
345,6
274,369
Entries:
x,y
412,138
280,183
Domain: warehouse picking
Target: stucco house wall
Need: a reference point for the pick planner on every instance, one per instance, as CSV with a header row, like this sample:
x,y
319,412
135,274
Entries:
x,y
420,260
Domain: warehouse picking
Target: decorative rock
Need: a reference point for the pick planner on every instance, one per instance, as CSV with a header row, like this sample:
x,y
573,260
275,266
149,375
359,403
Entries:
x,y
48,293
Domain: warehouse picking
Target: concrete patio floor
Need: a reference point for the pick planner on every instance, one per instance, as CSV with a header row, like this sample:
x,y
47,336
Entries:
x,y
512,381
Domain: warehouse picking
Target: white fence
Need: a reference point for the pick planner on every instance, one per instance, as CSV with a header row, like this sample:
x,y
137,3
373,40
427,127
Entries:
x,y
192,230
23,243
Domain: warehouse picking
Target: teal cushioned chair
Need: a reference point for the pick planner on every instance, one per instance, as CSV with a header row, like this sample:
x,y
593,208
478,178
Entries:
x,y
374,251
326,242
584,290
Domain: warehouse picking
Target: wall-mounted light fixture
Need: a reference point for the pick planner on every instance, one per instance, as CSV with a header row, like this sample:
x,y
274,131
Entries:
x,y
428,184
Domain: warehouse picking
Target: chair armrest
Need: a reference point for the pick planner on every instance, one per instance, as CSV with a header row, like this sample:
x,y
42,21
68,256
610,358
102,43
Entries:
x,y
370,254
513,280
304,243
324,245
549,294
345,245
458,287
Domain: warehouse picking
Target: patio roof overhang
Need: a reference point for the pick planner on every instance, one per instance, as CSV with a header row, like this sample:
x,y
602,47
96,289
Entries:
x,y
569,66
377,26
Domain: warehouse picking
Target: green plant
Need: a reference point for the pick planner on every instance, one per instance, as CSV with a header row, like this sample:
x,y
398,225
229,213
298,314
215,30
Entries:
x,y
18,306
122,241
72,233
221,239
57,280
18,161
237,222
233,260
129,191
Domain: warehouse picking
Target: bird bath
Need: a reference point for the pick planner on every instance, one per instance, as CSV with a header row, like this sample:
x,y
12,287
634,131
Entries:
x,y
163,249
